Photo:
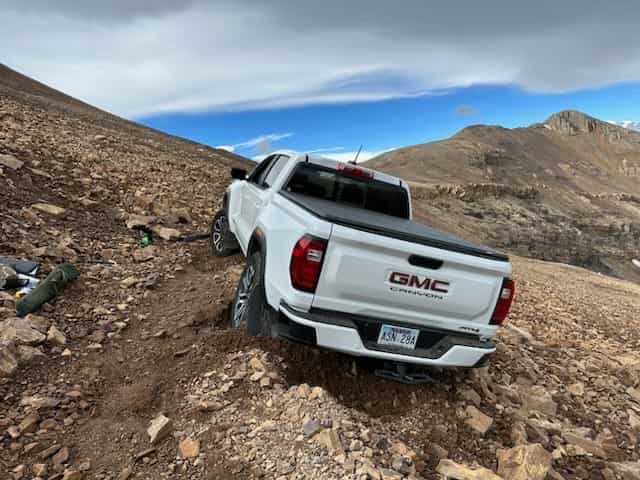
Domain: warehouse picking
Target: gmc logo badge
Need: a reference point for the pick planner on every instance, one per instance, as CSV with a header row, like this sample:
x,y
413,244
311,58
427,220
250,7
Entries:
x,y
416,281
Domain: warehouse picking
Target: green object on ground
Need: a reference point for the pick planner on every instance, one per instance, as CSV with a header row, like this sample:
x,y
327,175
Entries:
x,y
145,241
47,289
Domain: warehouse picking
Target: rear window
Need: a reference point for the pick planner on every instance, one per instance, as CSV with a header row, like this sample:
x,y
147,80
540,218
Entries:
x,y
329,184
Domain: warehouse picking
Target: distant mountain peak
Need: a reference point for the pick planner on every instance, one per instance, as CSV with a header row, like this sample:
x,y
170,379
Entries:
x,y
572,122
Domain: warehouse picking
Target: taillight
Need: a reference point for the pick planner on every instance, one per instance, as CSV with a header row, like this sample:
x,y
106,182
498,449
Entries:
x,y
504,302
306,263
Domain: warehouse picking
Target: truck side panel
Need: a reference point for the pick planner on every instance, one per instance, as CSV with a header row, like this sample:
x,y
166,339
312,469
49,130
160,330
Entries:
x,y
286,223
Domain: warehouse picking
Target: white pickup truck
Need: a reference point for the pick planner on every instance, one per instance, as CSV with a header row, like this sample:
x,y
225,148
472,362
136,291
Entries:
x,y
335,260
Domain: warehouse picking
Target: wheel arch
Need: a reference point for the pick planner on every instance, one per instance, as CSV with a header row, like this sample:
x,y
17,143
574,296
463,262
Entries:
x,y
258,243
225,203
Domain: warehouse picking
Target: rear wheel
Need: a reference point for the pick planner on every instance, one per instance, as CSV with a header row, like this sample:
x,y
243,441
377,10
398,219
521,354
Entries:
x,y
250,309
221,240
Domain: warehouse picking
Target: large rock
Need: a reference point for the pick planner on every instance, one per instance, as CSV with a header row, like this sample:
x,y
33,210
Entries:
x,y
49,208
538,399
27,353
144,254
189,448
634,421
626,470
634,393
140,221
524,462
72,475
7,276
451,470
8,358
166,233
30,423
477,420
55,336
41,324
329,439
20,331
11,162
588,445
160,427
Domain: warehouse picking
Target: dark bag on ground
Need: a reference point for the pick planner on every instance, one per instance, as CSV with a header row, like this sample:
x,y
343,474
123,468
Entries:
x,y
47,289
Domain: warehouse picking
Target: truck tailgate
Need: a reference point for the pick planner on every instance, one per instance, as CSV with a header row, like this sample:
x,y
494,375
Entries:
x,y
379,276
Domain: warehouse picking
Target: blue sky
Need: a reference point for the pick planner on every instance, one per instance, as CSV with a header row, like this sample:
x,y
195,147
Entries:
x,y
339,129
333,74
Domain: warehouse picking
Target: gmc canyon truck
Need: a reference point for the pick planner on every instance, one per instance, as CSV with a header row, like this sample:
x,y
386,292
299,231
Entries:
x,y
335,260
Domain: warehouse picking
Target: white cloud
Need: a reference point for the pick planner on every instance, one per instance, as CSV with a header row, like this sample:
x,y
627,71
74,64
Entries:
x,y
262,142
228,148
322,151
142,58
630,124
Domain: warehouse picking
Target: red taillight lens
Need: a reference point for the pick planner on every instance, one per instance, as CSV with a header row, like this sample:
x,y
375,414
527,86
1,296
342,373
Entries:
x,y
355,171
503,306
306,263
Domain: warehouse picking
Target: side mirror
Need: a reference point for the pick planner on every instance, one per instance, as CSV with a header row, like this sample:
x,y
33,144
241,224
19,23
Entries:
x,y
238,173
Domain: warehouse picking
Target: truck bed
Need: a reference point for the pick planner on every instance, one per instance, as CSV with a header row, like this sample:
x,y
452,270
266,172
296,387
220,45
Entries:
x,y
389,226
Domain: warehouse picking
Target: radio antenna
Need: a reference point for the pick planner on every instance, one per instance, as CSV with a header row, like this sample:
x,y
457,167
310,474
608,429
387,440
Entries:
x,y
355,160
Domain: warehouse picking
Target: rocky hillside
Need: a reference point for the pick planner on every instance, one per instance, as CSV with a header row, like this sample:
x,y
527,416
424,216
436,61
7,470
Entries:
x,y
133,372
566,190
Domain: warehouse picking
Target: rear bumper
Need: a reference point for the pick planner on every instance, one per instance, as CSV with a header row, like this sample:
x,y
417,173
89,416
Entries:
x,y
357,336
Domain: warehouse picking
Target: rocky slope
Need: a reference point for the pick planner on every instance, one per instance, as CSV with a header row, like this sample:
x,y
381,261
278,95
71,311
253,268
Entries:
x,y
565,190
133,371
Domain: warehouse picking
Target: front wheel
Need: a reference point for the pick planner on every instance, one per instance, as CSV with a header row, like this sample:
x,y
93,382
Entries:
x,y
221,240
250,309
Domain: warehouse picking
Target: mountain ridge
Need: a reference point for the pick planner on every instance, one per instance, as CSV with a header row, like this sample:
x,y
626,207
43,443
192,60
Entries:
x,y
551,190
24,88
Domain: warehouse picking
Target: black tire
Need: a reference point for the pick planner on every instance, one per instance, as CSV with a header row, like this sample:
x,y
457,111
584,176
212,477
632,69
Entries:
x,y
221,241
250,309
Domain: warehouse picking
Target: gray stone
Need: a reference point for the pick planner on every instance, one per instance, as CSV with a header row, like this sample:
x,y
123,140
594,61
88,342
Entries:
x,y
20,331
311,427
478,420
166,233
50,209
7,275
11,162
626,470
8,358
586,444
451,470
55,336
524,462
160,427
138,221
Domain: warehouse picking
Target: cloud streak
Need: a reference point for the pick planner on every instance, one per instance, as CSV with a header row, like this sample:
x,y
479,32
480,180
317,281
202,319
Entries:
x,y
159,56
261,143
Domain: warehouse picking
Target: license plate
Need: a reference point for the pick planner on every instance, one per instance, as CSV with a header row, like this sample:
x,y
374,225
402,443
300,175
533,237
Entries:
x,y
398,336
